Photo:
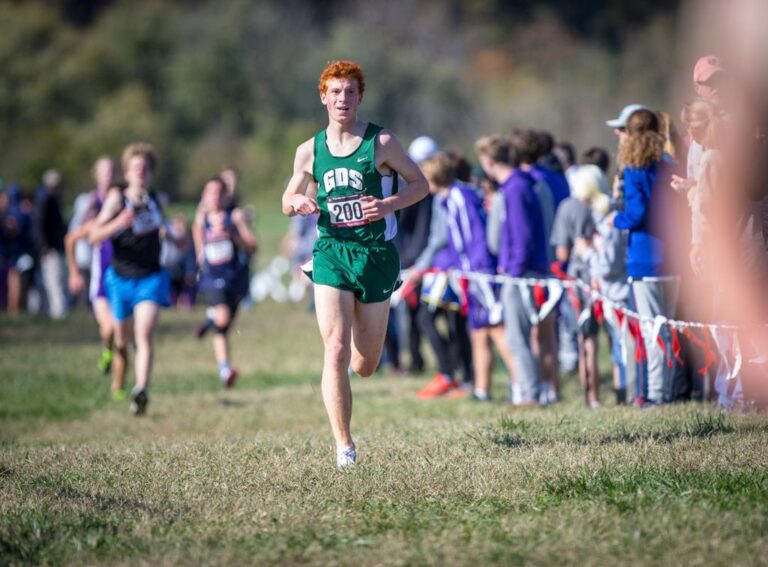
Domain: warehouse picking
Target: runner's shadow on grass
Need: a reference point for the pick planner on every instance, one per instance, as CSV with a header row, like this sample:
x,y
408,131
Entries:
x,y
514,434
61,490
625,437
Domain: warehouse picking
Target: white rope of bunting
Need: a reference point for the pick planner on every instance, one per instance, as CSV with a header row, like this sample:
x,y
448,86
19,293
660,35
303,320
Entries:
x,y
720,333
593,294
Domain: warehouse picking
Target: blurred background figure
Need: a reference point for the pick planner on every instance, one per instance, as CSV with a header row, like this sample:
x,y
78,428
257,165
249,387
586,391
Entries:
x,y
516,235
452,348
597,156
566,156
733,185
530,152
50,231
100,257
608,272
654,288
18,248
412,238
175,257
297,245
230,178
79,251
572,231
82,253
221,234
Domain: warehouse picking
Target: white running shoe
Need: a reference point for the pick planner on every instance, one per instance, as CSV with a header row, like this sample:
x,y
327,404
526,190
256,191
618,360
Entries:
x,y
552,396
516,393
346,458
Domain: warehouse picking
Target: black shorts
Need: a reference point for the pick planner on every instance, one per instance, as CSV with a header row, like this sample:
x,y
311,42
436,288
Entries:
x,y
224,291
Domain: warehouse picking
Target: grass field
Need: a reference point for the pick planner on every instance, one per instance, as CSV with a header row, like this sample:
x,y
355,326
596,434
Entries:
x,y
247,476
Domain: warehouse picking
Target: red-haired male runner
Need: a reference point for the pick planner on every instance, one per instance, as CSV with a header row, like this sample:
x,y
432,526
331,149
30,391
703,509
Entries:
x,y
348,174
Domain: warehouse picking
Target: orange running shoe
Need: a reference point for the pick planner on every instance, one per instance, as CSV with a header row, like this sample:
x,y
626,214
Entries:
x,y
459,392
439,385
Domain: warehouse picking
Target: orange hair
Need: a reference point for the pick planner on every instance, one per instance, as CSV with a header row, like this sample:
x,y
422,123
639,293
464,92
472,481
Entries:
x,y
342,70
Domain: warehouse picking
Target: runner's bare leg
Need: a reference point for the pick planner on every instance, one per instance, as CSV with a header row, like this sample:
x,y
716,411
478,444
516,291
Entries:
x,y
334,309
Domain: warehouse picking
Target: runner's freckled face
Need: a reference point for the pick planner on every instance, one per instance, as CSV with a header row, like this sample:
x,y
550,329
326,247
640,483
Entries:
x,y
341,99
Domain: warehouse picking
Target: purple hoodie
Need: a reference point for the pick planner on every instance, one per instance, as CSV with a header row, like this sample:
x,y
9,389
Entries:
x,y
523,243
466,229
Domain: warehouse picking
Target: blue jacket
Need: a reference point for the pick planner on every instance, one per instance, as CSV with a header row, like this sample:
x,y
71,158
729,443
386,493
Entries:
x,y
643,203
556,182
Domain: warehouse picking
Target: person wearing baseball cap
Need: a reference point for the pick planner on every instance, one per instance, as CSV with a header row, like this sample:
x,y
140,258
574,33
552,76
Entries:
x,y
422,148
706,74
412,238
620,122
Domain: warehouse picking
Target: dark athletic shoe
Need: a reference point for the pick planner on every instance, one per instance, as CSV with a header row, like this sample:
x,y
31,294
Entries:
x,y
482,398
229,380
139,401
203,328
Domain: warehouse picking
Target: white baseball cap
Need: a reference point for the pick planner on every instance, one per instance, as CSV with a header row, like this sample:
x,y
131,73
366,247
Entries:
x,y
626,112
422,148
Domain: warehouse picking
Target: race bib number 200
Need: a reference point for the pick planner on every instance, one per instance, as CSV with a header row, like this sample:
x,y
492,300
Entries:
x,y
346,211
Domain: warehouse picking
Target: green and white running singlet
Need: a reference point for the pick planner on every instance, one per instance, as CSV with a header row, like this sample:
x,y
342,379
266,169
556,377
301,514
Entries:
x,y
341,181
352,253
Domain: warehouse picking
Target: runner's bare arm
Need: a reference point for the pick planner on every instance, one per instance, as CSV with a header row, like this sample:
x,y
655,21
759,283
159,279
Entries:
x,y
71,239
197,235
76,280
391,155
109,222
244,237
298,198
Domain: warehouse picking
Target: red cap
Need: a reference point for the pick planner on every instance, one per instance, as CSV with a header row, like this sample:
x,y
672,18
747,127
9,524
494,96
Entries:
x,y
706,67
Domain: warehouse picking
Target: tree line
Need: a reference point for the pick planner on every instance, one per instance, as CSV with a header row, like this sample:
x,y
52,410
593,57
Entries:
x,y
215,84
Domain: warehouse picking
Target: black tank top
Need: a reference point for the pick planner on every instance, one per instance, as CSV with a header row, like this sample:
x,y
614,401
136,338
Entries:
x,y
136,250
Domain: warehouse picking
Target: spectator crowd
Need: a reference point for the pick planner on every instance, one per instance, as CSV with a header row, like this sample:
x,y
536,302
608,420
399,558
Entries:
x,y
537,248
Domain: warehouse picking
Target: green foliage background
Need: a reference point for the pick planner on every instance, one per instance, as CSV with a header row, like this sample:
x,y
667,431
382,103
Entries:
x,y
213,84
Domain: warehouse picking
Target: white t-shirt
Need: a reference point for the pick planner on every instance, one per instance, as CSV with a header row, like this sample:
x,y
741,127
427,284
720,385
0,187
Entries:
x,y
695,151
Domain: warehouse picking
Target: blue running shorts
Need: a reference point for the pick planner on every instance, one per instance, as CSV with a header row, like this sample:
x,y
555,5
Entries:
x,y
125,294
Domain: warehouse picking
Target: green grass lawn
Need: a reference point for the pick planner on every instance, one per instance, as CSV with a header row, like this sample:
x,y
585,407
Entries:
x,y
247,476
